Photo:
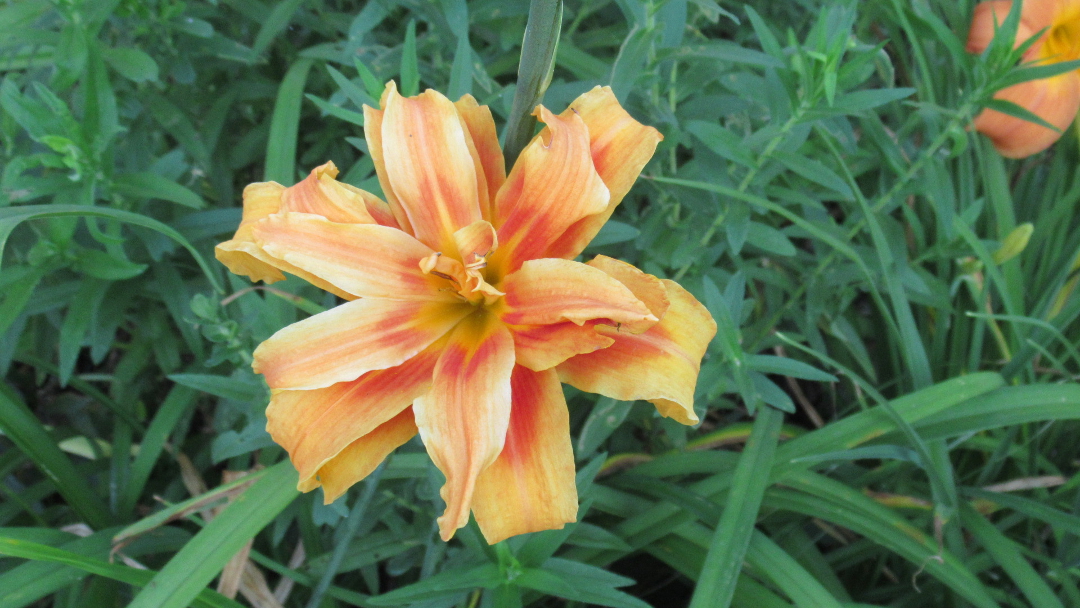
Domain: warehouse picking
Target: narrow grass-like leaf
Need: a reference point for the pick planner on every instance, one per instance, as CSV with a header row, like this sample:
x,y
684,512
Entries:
x,y
21,426
203,501
1008,555
285,125
152,185
775,563
410,69
176,403
13,216
275,23
835,502
716,584
125,574
203,557
534,73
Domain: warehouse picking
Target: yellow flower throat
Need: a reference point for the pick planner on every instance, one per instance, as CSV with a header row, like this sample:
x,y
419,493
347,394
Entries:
x,y
1063,40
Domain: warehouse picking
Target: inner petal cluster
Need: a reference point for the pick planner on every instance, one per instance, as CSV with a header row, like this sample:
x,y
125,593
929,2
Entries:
x,y
466,269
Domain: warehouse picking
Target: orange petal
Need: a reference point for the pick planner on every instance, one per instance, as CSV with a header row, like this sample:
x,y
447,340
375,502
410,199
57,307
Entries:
x,y
660,365
464,416
376,207
553,290
1056,100
346,342
620,148
314,426
321,194
540,347
552,185
485,142
365,260
240,254
530,486
373,121
429,166
645,287
360,458
477,239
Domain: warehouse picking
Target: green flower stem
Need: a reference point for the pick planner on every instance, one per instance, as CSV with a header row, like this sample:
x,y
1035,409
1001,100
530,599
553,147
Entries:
x,y
534,74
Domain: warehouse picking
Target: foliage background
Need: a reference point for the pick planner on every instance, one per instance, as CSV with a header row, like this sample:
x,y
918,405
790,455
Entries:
x,y
878,273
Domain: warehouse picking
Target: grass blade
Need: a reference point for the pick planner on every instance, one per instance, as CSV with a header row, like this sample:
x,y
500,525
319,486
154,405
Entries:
x,y
285,125
203,557
13,216
133,576
534,73
716,585
22,427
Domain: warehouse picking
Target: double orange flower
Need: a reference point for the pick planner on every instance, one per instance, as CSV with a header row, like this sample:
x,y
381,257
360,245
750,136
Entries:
x,y
465,308
1056,100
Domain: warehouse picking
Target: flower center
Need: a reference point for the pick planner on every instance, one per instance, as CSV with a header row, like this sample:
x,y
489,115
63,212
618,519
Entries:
x,y
1063,40
466,280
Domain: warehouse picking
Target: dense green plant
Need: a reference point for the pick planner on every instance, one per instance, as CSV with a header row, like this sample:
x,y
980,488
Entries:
x,y
878,273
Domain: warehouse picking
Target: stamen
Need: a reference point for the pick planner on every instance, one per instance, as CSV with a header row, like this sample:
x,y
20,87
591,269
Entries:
x,y
429,263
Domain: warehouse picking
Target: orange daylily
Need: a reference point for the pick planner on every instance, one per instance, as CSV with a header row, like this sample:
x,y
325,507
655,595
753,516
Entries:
x,y
1056,100
465,308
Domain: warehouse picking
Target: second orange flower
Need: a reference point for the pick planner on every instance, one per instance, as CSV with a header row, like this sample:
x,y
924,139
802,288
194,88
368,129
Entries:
x,y
1056,100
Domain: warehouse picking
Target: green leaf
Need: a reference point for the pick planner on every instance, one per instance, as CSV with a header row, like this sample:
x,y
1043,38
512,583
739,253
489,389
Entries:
x,y
833,501
716,584
152,185
285,124
26,583
1008,555
446,583
722,141
372,84
606,416
206,500
410,70
815,172
461,77
358,96
77,321
533,75
101,265
769,364
274,24
614,232
133,64
176,404
23,428
203,557
350,116
1037,72
13,216
225,387
1007,107
771,560
133,576
769,239
575,588
631,61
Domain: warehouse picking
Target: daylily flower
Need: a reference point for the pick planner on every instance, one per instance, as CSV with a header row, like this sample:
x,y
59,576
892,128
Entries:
x,y
465,307
1056,100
